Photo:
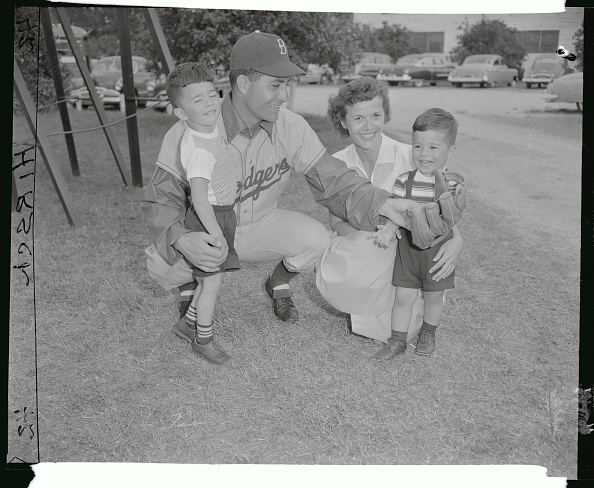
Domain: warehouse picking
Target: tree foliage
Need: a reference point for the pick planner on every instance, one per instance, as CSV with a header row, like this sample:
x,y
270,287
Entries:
x,y
209,35
489,37
394,40
30,52
578,37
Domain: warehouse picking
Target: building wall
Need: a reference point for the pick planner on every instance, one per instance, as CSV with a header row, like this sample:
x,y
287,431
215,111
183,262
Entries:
x,y
567,23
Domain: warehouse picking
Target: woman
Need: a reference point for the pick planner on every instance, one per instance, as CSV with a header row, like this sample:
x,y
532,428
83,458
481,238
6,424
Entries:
x,y
355,274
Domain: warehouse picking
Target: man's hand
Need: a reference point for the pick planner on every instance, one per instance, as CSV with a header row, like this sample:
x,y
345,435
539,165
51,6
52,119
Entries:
x,y
395,209
204,251
447,256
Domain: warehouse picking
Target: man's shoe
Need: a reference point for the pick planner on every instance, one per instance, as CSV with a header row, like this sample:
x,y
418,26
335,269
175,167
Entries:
x,y
182,330
282,303
425,343
394,347
211,352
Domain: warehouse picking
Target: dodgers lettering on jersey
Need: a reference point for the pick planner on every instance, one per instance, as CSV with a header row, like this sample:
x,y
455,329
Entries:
x,y
260,180
266,156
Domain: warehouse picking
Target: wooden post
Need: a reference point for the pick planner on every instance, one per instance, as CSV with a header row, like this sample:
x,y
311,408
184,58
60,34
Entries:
x,y
84,71
55,65
129,94
44,146
159,39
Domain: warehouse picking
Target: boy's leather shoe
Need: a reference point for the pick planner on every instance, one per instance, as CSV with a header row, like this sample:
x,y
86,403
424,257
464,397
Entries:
x,y
282,303
394,347
211,352
425,343
182,330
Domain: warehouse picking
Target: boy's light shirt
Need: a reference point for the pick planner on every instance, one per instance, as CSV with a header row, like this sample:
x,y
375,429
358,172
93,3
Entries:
x,y
394,158
197,161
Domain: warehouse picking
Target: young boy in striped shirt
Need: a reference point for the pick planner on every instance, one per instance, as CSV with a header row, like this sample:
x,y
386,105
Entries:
x,y
433,143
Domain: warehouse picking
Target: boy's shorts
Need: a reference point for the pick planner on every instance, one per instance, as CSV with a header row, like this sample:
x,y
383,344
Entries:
x,y
227,221
412,265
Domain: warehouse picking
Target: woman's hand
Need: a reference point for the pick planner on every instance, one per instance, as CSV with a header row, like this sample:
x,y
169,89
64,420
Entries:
x,y
447,256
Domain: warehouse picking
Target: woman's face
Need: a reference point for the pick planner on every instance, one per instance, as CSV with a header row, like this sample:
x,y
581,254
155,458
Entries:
x,y
365,122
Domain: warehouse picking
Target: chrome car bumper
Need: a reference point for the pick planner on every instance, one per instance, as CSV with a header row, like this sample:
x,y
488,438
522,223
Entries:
x,y
467,79
392,77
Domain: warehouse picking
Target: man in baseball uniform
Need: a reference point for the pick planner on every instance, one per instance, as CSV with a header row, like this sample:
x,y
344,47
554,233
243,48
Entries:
x,y
266,141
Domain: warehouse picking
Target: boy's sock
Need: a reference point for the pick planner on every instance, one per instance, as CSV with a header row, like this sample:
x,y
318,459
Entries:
x,y
204,333
281,276
190,317
399,335
429,327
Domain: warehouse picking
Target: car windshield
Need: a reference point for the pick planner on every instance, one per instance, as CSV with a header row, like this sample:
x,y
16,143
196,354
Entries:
x,y
108,66
478,59
115,66
72,69
544,63
409,60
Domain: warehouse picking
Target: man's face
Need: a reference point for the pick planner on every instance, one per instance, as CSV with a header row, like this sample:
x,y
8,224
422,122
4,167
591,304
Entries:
x,y
264,98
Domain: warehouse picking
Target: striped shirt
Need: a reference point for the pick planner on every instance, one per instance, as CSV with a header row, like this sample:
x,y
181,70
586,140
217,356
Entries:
x,y
423,187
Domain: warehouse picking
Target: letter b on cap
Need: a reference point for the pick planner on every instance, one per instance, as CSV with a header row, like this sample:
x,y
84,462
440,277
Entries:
x,y
283,46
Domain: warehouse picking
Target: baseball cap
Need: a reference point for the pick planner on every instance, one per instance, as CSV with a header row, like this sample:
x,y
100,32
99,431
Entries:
x,y
265,53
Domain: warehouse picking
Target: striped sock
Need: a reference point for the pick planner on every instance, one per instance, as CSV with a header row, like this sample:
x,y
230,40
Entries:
x,y
204,333
190,317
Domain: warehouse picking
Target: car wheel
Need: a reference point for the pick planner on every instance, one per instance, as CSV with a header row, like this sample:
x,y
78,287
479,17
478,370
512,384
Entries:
x,y
433,83
393,83
529,86
418,83
324,80
457,85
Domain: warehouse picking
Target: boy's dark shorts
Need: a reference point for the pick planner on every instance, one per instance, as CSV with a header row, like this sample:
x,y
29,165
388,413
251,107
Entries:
x,y
412,265
227,221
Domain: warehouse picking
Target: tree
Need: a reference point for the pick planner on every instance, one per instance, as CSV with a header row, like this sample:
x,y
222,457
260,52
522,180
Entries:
x,y
209,35
489,37
30,52
394,40
578,37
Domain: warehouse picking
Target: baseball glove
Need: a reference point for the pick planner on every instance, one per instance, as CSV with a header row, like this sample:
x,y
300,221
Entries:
x,y
431,222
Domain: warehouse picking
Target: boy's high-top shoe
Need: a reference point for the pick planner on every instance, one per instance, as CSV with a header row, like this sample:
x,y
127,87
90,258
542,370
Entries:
x,y
181,329
425,342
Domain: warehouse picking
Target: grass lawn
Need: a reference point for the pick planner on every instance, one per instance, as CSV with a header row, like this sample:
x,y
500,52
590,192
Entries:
x,y
115,384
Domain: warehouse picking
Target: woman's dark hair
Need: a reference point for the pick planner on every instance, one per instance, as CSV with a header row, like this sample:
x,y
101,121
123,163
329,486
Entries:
x,y
360,89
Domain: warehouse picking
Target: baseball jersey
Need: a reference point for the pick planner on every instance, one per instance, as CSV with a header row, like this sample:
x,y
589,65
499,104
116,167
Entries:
x,y
265,154
394,158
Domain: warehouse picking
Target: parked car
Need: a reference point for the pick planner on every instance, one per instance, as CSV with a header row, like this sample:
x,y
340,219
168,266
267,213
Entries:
x,y
315,73
485,70
107,76
418,69
568,88
368,64
544,69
